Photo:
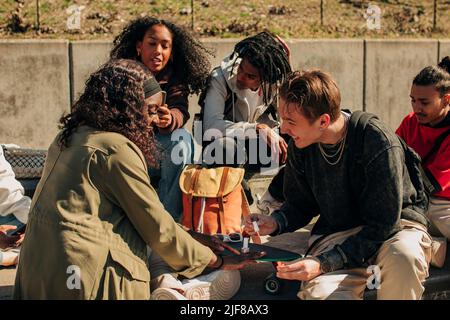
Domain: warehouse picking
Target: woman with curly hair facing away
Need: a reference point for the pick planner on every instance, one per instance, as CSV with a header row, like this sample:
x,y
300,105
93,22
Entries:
x,y
94,208
181,66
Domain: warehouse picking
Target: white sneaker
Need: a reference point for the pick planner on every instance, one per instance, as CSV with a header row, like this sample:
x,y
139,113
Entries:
x,y
166,294
267,204
217,285
9,258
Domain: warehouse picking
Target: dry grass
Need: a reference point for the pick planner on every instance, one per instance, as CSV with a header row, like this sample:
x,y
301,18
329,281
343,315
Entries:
x,y
103,19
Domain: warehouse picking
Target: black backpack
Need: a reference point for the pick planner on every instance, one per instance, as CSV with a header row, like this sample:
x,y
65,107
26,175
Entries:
x,y
419,179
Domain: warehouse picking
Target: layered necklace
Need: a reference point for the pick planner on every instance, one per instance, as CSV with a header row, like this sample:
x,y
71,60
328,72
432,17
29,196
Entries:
x,y
340,146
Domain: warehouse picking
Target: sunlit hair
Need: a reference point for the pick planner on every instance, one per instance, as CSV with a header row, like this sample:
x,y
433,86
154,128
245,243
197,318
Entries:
x,y
312,92
113,100
189,57
265,53
438,76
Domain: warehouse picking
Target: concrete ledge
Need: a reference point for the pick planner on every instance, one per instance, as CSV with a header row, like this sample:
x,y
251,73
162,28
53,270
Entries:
x,y
41,77
444,49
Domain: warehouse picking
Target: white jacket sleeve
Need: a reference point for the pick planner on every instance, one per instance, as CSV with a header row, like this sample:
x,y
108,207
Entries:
x,y
213,113
12,198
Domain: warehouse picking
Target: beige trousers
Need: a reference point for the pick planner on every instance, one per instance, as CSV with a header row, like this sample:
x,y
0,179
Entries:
x,y
439,215
399,269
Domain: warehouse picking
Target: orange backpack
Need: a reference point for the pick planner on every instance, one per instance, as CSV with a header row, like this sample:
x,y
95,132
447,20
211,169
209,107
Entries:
x,y
213,199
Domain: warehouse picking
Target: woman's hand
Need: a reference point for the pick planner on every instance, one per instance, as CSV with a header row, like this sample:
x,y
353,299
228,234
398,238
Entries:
x,y
277,144
303,269
266,224
164,117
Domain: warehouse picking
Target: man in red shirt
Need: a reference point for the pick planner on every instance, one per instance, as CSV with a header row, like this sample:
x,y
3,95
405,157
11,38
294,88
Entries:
x,y
427,131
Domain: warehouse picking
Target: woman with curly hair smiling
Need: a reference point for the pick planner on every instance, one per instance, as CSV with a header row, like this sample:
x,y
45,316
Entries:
x,y
181,66
94,207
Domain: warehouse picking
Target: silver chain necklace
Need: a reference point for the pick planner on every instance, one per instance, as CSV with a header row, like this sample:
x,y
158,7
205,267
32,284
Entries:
x,y
339,151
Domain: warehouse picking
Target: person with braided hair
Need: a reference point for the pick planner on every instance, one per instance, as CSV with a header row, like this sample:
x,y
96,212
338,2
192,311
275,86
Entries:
x,y
181,66
241,100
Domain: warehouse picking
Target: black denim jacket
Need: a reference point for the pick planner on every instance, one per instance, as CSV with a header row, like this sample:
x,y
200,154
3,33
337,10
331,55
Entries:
x,y
375,195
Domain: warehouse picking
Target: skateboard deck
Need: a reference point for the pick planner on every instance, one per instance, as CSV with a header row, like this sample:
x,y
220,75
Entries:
x,y
272,254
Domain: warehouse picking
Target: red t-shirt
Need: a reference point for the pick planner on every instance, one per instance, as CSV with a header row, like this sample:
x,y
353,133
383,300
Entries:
x,y
422,138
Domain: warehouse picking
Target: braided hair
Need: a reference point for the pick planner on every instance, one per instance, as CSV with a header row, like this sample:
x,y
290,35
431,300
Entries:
x,y
436,75
190,57
113,100
266,53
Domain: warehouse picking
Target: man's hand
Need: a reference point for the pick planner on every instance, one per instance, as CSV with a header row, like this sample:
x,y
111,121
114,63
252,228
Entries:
x,y
266,224
303,269
216,245
9,241
277,144
165,117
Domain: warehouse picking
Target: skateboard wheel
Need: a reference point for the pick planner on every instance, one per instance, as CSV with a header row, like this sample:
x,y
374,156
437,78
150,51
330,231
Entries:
x,y
272,285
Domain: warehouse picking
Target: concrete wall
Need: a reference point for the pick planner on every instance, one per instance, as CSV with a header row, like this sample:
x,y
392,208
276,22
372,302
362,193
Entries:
x,y
390,69
342,59
34,91
86,57
444,49
40,78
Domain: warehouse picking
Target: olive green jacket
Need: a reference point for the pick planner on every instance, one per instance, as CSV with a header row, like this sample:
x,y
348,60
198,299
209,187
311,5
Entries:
x,y
93,213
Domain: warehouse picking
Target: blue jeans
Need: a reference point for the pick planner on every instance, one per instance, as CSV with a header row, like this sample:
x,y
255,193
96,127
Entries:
x,y
176,151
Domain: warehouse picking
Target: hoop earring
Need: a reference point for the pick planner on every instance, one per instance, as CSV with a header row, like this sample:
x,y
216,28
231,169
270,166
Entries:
x,y
139,53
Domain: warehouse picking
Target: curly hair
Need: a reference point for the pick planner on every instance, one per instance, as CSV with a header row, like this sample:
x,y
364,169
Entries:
x,y
265,52
113,100
190,57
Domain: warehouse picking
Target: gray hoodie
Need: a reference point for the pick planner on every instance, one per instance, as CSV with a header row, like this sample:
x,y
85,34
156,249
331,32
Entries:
x,y
248,106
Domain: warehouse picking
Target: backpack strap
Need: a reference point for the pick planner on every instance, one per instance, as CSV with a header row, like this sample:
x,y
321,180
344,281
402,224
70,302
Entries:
x,y
436,146
417,175
190,199
411,158
220,198
357,125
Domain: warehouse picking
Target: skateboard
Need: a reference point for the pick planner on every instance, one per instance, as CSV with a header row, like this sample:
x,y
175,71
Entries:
x,y
272,285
